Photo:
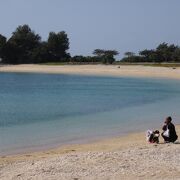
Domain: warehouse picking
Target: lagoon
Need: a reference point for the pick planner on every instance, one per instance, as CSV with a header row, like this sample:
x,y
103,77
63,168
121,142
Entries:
x,y
40,111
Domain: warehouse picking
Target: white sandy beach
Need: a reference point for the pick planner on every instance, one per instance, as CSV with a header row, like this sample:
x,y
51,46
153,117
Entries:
x,y
129,157
107,70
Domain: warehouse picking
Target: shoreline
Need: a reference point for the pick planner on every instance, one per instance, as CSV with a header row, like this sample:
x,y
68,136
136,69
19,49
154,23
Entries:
x,y
119,156
66,148
98,70
83,142
105,144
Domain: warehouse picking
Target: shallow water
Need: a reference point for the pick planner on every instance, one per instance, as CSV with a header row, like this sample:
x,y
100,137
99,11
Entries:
x,y
42,110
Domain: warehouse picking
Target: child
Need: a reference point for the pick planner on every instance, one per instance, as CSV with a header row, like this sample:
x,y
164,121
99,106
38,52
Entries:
x,y
152,136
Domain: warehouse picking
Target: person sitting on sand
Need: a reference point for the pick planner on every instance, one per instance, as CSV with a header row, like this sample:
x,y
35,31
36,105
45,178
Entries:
x,y
152,136
169,131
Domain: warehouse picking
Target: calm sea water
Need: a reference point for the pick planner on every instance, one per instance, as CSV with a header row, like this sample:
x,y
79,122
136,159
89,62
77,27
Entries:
x,y
42,110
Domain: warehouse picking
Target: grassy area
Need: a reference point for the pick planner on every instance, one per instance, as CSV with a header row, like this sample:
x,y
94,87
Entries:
x,y
69,63
54,63
164,65
171,65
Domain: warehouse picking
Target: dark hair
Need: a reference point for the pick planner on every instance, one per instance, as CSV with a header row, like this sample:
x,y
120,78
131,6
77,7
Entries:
x,y
156,132
169,119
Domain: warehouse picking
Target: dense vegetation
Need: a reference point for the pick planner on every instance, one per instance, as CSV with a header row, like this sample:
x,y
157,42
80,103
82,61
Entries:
x,y
163,53
100,56
25,46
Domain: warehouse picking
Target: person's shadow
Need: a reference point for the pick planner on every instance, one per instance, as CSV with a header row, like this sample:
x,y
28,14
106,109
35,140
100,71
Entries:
x,y
177,142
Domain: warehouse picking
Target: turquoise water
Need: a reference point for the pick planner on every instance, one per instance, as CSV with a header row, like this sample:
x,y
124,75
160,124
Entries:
x,y
42,110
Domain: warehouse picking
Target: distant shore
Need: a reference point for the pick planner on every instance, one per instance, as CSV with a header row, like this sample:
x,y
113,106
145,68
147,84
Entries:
x,y
100,70
128,157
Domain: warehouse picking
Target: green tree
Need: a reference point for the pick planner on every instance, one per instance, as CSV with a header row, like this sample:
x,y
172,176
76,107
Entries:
x,y
129,54
22,44
146,53
58,44
149,55
107,56
176,55
99,52
163,53
41,54
2,46
166,51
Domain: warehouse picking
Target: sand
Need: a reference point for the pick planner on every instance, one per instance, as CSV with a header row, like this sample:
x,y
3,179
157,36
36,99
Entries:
x,y
128,157
105,70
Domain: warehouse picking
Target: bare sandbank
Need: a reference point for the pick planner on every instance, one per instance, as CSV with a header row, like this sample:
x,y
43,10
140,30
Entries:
x,y
101,70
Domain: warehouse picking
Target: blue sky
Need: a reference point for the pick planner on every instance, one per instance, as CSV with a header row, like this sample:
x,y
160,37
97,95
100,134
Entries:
x,y
124,25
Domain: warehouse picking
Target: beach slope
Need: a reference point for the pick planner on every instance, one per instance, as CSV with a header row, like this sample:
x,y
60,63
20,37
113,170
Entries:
x,y
128,157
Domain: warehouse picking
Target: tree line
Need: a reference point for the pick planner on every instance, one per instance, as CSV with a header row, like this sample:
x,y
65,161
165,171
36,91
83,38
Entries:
x,y
25,46
163,53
